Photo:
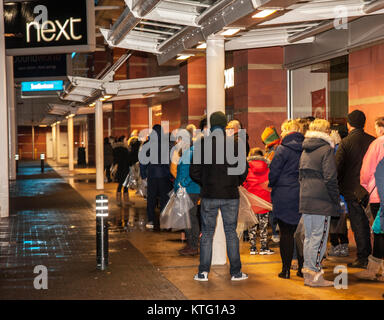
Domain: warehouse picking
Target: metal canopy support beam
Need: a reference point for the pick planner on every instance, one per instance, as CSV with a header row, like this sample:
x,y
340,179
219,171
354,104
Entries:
x,y
211,21
4,185
58,143
373,7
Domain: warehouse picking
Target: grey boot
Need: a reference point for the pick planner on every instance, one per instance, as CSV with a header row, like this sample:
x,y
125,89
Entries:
x,y
319,281
308,276
373,268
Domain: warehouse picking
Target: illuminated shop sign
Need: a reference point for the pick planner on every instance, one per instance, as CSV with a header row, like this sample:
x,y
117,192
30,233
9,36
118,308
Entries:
x,y
36,86
46,26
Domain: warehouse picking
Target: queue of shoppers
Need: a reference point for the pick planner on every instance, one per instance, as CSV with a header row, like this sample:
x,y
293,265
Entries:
x,y
316,179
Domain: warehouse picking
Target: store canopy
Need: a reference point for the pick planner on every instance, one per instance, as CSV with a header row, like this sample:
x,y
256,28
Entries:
x,y
168,28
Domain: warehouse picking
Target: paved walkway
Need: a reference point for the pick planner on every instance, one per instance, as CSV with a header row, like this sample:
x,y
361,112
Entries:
x,y
53,223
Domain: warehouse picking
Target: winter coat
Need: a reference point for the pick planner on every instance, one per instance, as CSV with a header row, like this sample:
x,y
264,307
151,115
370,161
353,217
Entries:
x,y
108,154
120,157
133,151
183,178
349,158
257,178
371,159
284,179
247,148
319,191
156,169
213,178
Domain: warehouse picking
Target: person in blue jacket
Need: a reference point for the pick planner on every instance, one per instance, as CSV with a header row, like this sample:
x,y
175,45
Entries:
x,y
184,180
284,181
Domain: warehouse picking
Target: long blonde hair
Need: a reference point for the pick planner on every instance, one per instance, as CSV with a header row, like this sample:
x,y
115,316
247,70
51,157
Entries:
x,y
289,126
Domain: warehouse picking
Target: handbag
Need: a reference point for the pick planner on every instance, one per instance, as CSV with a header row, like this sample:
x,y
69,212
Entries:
x,y
363,196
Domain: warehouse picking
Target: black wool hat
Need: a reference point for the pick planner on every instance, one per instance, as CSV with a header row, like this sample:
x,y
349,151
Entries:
x,y
218,119
356,119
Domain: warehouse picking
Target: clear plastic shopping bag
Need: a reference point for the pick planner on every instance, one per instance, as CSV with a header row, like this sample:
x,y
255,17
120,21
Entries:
x,y
142,188
175,215
249,206
165,215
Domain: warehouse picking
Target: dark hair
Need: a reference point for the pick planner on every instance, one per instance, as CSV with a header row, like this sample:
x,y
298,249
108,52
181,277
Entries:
x,y
256,152
203,123
106,140
379,122
121,139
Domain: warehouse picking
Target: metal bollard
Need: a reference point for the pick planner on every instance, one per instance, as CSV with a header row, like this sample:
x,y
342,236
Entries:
x,y
42,158
17,163
102,231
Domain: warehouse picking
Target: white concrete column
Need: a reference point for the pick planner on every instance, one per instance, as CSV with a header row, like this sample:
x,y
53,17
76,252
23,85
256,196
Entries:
x,y
54,142
70,143
58,143
4,174
215,56
99,142
12,125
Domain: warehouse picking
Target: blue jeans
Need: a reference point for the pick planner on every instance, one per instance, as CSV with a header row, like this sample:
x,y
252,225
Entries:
x,y
315,242
229,210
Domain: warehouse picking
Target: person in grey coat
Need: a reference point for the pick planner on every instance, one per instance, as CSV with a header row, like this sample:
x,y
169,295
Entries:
x,y
319,198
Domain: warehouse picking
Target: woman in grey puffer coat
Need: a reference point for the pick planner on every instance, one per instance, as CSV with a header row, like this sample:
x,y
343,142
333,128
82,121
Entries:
x,y
319,198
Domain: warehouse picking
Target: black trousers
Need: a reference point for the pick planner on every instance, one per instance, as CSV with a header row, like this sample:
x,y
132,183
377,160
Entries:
x,y
107,169
287,244
361,229
378,239
157,188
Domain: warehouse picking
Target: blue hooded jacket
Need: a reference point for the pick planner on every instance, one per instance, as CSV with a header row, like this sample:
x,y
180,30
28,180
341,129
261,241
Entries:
x,y
284,179
183,178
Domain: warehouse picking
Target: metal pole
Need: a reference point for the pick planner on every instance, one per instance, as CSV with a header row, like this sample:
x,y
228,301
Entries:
x,y
70,143
4,174
42,159
99,145
58,146
102,231
54,149
12,143
33,142
17,162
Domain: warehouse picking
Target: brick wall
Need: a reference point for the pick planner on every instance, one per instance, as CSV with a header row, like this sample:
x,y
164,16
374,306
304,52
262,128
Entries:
x,y
366,83
260,92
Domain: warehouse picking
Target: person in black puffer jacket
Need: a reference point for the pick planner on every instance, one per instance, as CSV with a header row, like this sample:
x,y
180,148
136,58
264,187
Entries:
x,y
284,181
319,198
349,159
120,156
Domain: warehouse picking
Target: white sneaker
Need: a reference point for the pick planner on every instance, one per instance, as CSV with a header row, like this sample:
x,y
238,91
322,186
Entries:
x,y
239,277
149,225
276,239
201,276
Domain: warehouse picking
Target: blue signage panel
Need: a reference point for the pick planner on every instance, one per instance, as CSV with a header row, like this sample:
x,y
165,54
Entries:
x,y
34,86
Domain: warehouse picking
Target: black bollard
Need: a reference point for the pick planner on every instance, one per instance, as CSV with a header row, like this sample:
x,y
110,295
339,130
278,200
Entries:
x,y
17,163
102,231
42,158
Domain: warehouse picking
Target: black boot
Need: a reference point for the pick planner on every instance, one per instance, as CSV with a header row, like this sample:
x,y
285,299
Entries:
x,y
284,274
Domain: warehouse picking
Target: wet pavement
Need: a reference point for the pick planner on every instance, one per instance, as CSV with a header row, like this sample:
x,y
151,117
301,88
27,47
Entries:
x,y
53,224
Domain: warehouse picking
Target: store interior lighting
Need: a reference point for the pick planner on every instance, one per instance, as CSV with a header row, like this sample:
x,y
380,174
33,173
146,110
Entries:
x,y
230,32
264,13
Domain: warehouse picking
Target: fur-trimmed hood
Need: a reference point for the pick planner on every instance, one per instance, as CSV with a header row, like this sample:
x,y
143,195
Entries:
x,y
316,139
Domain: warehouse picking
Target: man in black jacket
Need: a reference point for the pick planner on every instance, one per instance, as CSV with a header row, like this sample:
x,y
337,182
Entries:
x,y
219,190
349,158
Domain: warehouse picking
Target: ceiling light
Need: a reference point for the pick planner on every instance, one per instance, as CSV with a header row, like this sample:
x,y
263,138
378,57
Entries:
x,y
264,13
92,104
202,46
183,57
230,32
43,126
107,97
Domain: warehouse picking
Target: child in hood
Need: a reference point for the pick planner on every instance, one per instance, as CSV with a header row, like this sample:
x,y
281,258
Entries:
x,y
257,183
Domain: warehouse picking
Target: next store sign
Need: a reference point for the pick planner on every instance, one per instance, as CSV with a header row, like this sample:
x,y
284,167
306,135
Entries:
x,y
47,27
